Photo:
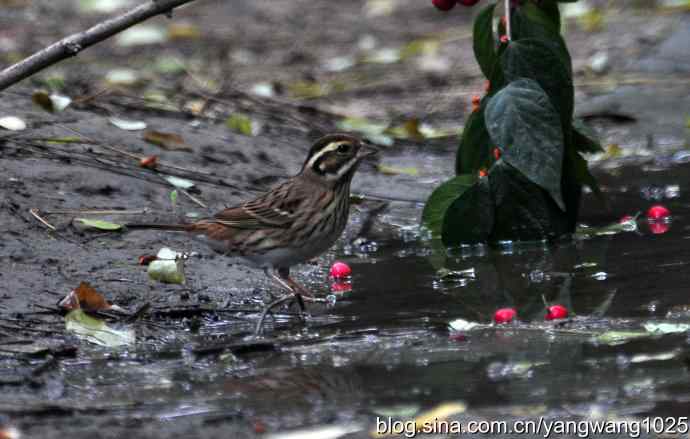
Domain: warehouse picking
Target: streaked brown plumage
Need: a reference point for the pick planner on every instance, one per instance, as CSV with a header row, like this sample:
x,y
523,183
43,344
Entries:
x,y
293,222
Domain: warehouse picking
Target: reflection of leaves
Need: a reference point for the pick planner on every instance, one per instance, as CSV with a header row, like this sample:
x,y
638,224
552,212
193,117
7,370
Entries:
x,y
169,141
99,224
96,331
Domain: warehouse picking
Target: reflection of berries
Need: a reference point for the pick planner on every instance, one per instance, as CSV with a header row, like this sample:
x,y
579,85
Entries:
x,y
659,228
340,270
341,287
505,315
468,2
658,212
444,5
555,312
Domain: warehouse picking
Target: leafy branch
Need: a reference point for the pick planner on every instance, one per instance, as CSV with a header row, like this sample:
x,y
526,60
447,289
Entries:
x,y
519,164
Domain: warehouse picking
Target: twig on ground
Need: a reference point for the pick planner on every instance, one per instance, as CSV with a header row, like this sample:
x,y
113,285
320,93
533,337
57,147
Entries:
x,y
35,213
75,43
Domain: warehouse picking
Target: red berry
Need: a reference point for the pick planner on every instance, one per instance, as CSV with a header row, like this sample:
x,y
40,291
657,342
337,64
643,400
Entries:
x,y
340,270
146,259
504,39
658,212
483,173
556,312
444,5
497,153
505,315
626,219
659,228
341,287
149,162
468,2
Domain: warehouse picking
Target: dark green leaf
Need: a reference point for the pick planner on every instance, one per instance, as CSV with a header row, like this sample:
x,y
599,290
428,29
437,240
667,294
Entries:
x,y
441,198
524,211
531,22
470,218
542,61
526,128
474,149
484,45
585,139
546,14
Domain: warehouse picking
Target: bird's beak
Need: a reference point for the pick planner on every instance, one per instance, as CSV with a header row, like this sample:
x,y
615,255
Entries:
x,y
366,150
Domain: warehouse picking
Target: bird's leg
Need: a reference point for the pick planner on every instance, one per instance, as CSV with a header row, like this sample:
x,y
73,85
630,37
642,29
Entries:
x,y
292,294
267,309
297,290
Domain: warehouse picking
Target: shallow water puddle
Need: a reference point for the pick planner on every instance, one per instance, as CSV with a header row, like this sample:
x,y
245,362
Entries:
x,y
384,351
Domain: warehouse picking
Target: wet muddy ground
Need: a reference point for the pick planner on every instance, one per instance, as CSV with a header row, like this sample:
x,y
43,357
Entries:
x,y
384,349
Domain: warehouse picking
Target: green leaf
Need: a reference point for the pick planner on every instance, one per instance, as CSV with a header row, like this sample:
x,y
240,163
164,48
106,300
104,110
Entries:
x,y
546,14
534,23
96,331
585,139
99,224
470,218
241,124
484,44
444,195
524,125
543,62
524,211
474,149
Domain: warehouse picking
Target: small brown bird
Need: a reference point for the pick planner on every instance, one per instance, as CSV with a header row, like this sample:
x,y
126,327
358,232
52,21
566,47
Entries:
x,y
291,223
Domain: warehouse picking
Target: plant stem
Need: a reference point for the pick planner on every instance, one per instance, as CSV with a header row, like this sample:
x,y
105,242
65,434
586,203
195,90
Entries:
x,y
507,13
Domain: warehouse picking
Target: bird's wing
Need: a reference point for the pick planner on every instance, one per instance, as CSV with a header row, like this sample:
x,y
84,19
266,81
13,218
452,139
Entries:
x,y
275,209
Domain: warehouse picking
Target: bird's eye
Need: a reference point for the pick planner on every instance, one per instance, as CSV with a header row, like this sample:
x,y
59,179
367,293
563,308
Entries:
x,y
343,148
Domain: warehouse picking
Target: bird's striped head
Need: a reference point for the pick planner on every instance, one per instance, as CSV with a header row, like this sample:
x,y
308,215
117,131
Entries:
x,y
335,157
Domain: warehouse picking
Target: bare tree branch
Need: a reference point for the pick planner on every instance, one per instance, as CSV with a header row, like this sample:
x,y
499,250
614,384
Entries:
x,y
75,43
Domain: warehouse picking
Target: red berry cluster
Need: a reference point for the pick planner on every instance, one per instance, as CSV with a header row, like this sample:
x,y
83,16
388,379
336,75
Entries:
x,y
447,5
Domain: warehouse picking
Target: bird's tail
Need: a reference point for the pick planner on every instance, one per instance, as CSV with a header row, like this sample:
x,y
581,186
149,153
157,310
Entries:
x,y
172,227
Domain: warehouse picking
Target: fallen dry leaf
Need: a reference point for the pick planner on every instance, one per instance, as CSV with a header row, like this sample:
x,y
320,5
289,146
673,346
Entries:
x,y
169,141
86,297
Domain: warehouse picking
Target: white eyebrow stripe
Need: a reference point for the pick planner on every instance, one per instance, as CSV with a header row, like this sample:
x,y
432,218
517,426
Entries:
x,y
330,147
